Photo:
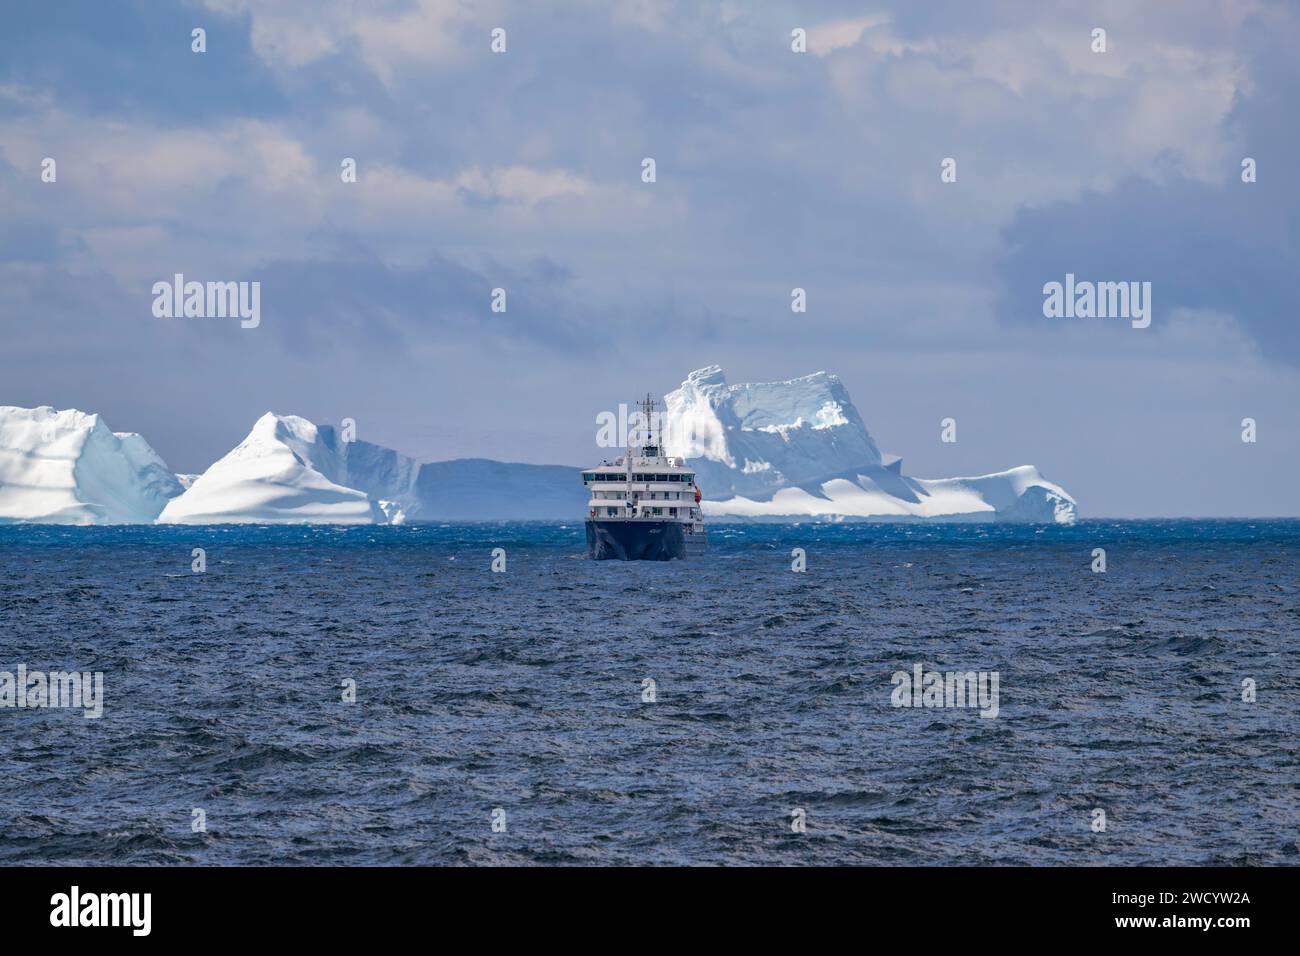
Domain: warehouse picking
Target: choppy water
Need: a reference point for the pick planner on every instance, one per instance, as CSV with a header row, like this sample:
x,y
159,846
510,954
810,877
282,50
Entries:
x,y
523,691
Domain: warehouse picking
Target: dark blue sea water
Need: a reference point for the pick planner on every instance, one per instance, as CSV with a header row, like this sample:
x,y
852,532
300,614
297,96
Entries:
x,y
523,691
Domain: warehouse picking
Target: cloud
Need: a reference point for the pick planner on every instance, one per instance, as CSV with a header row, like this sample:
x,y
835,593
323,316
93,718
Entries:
x,y
1229,250
826,38
133,58
353,300
1213,243
385,36
522,170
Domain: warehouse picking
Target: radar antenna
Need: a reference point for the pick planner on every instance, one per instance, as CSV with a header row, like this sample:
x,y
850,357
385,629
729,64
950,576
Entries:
x,y
650,449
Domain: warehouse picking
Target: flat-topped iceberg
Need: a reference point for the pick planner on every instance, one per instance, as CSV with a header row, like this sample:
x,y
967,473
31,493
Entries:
x,y
69,467
756,439
799,449
1020,494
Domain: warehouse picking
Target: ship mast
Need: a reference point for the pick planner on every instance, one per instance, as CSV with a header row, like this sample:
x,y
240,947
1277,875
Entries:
x,y
649,449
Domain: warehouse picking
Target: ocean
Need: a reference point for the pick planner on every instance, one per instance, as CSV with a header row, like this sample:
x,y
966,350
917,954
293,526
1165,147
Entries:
x,y
509,717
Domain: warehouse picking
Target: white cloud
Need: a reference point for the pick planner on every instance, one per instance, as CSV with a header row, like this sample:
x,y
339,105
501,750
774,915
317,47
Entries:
x,y
521,184
825,38
387,35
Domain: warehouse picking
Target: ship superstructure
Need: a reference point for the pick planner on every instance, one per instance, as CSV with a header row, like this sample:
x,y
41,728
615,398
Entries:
x,y
644,505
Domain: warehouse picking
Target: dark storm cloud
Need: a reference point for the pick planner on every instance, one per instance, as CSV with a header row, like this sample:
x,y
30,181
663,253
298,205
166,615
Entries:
x,y
1232,247
355,300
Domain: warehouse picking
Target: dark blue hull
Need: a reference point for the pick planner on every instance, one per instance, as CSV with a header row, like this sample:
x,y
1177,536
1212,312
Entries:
x,y
635,540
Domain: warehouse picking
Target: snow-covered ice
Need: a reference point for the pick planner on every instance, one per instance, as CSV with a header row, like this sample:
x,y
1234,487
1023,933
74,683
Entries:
x,y
791,450
1020,494
68,467
289,470
799,449
756,439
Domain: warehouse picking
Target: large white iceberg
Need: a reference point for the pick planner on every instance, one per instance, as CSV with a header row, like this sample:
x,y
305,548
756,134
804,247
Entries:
x,y
755,439
775,451
68,467
799,449
290,471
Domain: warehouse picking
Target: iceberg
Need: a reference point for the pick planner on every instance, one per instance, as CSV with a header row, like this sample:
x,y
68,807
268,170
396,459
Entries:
x,y
799,449
290,471
69,467
772,451
756,439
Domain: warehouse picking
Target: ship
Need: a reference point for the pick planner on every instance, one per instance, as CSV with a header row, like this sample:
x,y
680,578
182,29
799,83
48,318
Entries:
x,y
645,505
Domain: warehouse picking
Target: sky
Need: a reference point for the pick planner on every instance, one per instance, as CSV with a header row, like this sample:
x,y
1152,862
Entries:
x,y
523,170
